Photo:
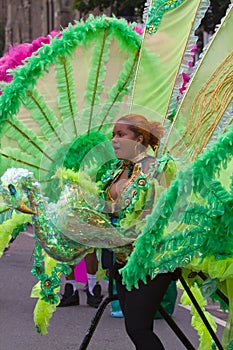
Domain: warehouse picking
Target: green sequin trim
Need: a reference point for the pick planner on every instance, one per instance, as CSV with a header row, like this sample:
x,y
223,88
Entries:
x,y
157,11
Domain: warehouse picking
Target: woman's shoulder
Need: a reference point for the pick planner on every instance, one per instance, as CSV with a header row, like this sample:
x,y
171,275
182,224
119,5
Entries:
x,y
159,165
147,163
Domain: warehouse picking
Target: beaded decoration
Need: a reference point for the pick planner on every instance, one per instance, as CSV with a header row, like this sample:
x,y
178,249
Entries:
x,y
156,12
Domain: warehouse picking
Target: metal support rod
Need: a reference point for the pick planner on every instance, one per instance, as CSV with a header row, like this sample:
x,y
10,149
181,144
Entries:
x,y
172,324
95,321
167,318
201,313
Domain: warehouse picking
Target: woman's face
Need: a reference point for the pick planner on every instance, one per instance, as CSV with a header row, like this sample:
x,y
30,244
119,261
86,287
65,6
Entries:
x,y
124,141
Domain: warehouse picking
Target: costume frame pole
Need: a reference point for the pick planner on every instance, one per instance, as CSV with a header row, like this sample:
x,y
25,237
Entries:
x,y
200,312
94,322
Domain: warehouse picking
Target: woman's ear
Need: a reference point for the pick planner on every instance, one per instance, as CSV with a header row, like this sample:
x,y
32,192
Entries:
x,y
140,138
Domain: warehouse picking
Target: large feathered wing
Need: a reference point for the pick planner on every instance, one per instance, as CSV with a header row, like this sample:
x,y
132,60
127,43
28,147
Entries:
x,y
69,88
55,112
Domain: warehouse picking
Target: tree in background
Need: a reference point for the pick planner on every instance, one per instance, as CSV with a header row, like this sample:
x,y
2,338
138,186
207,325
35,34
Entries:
x,y
2,40
212,18
132,10
88,6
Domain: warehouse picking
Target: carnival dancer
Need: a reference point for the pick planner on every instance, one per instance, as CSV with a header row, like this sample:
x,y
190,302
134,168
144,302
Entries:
x,y
129,189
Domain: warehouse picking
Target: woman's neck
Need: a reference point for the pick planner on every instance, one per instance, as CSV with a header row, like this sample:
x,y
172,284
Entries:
x,y
138,158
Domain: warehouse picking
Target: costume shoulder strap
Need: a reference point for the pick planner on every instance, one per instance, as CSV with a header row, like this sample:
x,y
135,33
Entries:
x,y
166,170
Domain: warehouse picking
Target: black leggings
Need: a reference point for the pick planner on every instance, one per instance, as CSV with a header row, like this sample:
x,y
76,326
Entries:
x,y
139,307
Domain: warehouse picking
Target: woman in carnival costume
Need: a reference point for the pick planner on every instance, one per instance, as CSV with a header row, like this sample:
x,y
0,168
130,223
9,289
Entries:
x,y
129,189
156,249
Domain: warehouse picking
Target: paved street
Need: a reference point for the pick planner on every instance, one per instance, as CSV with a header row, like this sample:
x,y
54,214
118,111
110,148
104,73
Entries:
x,y
68,326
